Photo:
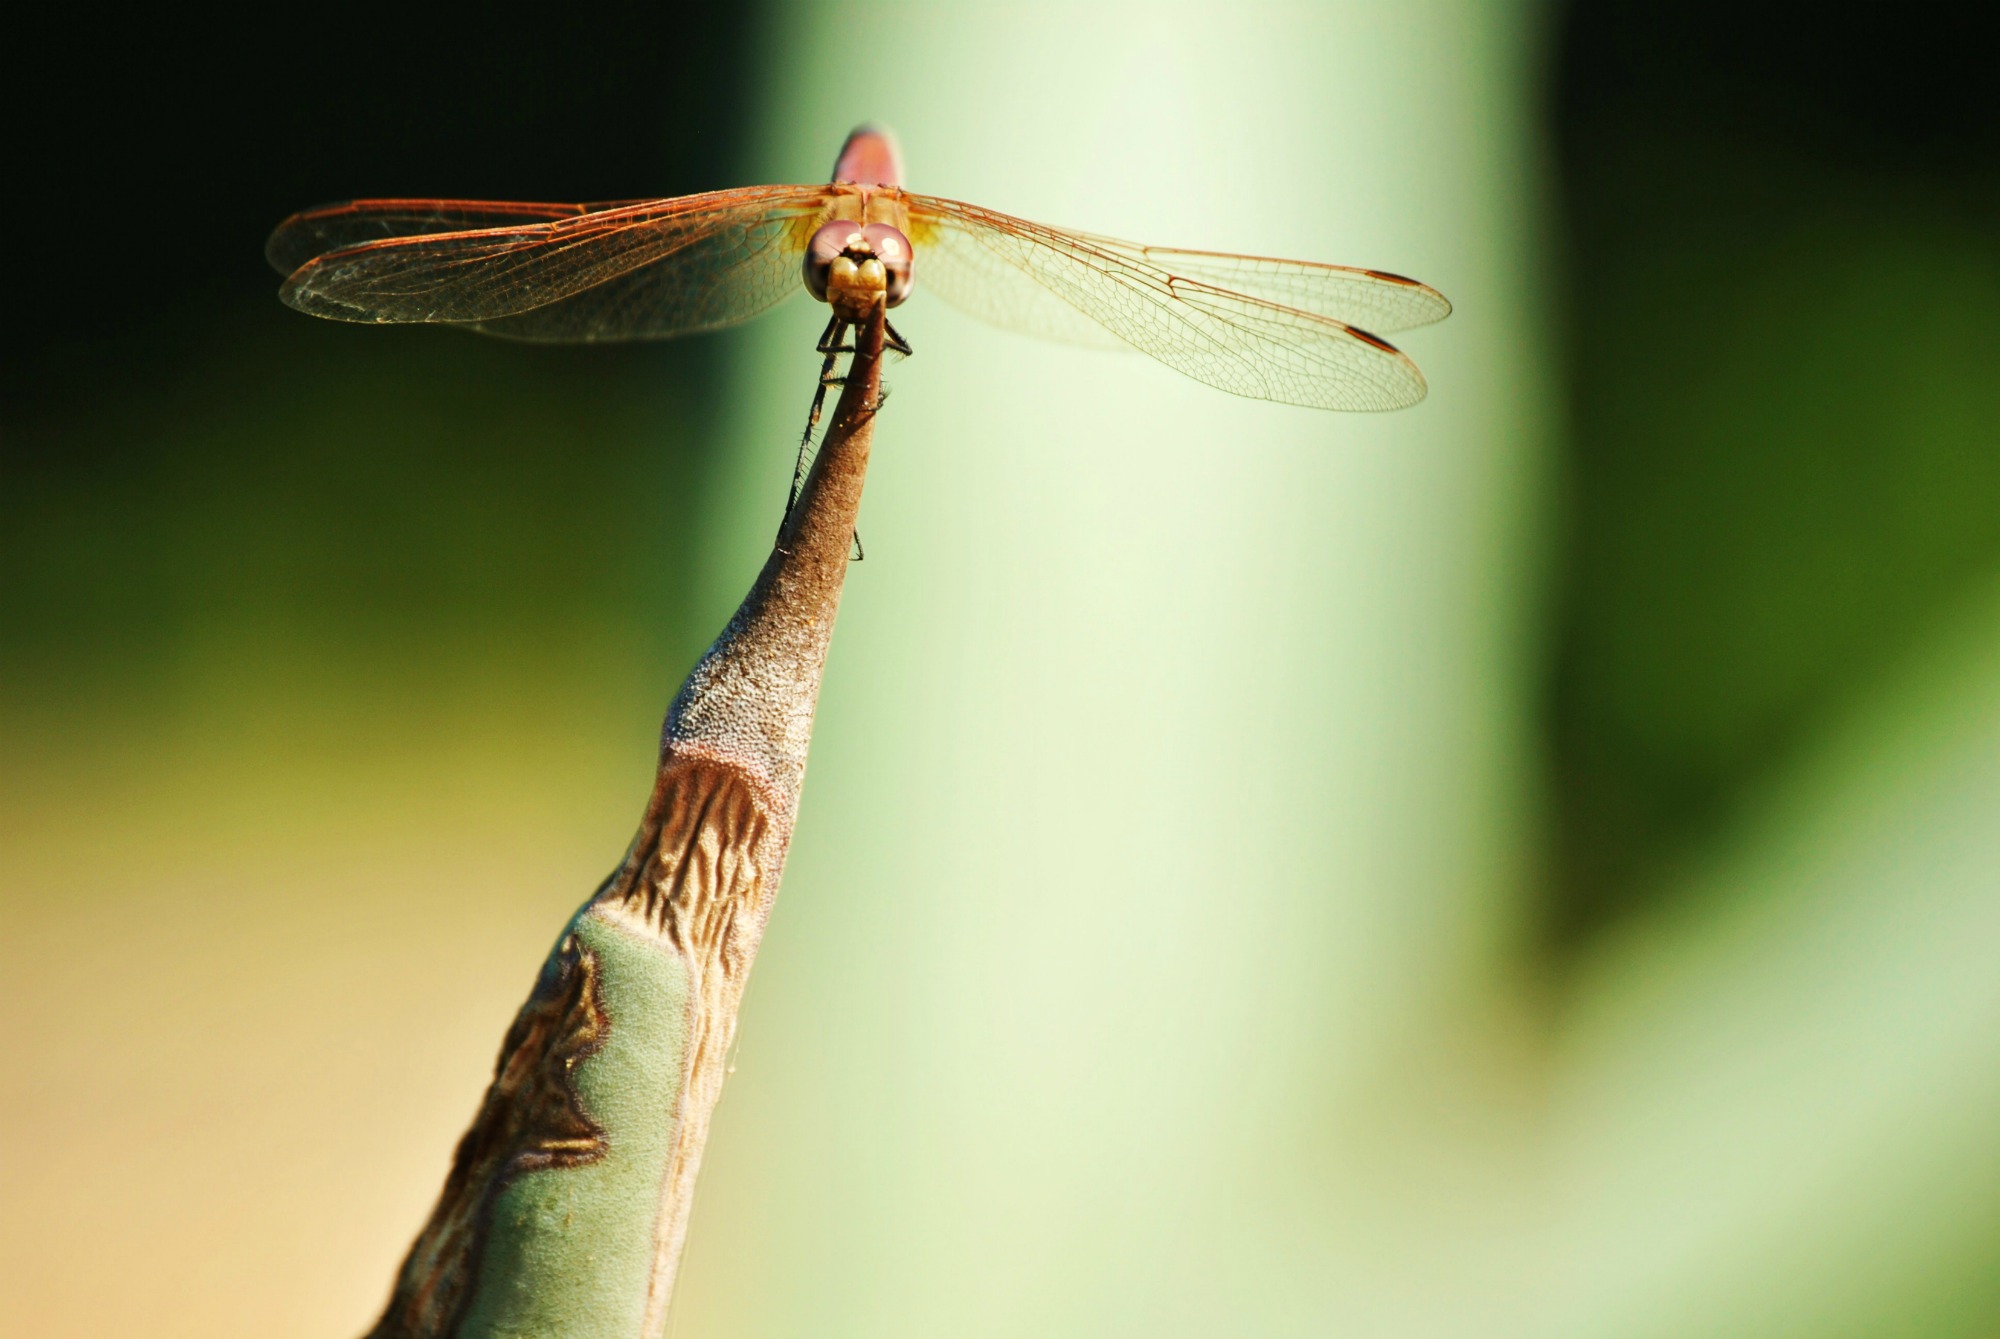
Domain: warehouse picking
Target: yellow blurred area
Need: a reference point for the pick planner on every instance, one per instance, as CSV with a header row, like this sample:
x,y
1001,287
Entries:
x,y
260,957
259,968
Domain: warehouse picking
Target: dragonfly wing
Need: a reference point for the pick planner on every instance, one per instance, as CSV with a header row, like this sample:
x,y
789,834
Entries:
x,y
1235,341
553,272
985,281
711,278
1377,301
312,233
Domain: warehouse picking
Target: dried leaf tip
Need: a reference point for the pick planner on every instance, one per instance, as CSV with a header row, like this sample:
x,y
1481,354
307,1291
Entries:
x,y
750,701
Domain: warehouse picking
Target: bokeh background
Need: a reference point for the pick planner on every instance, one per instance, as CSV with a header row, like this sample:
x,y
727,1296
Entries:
x,y
1525,866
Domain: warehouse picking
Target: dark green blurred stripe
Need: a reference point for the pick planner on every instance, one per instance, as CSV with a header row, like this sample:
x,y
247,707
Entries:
x,y
1782,236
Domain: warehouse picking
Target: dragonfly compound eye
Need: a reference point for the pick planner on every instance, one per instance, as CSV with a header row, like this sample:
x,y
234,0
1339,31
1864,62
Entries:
x,y
897,257
851,265
832,242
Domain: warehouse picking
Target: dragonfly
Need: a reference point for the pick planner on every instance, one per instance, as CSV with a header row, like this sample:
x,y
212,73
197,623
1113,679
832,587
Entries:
x,y
1291,331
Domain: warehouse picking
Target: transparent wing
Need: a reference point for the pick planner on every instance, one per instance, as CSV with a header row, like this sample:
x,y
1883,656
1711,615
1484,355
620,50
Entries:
x,y
1377,301
989,282
312,233
643,270
1051,281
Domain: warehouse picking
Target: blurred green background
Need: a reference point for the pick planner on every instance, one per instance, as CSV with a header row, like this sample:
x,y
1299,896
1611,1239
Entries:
x,y
1523,866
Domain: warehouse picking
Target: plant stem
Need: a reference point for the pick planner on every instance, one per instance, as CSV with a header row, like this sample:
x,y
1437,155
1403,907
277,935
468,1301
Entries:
x,y
567,1204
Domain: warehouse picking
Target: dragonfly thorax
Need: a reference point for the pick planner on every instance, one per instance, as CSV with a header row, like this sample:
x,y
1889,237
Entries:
x,y
853,266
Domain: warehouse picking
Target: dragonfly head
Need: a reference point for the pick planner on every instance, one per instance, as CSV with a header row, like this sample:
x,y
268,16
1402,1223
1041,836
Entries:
x,y
853,266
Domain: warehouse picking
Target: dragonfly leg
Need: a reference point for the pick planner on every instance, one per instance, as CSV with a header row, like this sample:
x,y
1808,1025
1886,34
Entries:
x,y
895,343
830,345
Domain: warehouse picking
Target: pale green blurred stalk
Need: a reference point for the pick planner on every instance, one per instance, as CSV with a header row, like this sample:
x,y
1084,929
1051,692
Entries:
x,y
1149,962
1172,788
